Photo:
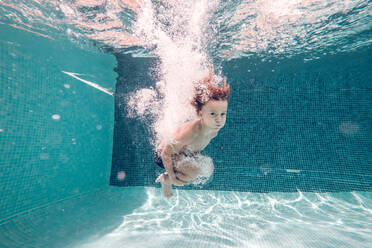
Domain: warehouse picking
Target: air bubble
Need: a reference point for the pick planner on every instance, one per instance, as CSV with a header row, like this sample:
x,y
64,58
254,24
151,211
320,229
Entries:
x,y
121,175
348,128
265,169
44,156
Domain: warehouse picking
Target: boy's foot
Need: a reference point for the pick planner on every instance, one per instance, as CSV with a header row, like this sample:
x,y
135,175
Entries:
x,y
166,185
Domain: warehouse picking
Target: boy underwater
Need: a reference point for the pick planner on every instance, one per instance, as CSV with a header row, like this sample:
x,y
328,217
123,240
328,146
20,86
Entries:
x,y
180,154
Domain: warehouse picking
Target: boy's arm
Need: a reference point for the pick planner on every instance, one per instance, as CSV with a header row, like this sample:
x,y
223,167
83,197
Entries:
x,y
185,135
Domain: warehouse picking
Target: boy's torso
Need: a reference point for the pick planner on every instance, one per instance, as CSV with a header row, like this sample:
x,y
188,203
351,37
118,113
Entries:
x,y
200,140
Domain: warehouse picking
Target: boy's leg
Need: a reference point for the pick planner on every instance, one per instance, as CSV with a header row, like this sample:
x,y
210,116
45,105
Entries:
x,y
187,171
166,184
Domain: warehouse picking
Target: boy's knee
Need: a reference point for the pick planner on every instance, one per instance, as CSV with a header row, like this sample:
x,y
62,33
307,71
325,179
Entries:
x,y
189,169
192,168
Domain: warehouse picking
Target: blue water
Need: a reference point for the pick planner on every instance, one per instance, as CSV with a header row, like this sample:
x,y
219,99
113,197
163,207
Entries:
x,y
303,64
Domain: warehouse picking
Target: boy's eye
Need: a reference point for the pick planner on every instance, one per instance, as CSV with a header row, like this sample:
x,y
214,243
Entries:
x,y
212,113
223,114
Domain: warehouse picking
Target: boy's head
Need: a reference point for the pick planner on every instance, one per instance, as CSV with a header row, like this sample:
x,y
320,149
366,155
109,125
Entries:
x,y
213,114
210,102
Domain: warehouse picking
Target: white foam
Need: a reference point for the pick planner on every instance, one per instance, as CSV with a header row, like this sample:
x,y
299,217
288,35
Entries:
x,y
176,32
205,164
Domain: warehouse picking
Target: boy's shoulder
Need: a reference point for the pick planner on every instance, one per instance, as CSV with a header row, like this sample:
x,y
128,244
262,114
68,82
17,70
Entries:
x,y
188,129
193,125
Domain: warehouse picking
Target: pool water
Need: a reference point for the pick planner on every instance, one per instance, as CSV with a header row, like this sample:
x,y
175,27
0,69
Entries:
x,y
86,88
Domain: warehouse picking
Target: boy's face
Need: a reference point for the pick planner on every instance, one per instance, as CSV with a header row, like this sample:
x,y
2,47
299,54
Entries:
x,y
213,114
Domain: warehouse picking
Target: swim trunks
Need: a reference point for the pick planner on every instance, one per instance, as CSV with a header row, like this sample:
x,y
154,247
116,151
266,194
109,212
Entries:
x,y
171,142
205,163
159,161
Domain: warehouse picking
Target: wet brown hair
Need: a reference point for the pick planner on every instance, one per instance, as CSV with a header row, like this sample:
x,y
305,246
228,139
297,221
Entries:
x,y
205,91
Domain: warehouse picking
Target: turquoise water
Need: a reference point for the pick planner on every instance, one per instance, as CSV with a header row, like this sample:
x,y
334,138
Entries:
x,y
57,79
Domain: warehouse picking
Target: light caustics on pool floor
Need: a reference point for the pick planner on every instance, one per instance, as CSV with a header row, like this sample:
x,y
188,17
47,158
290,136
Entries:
x,y
238,219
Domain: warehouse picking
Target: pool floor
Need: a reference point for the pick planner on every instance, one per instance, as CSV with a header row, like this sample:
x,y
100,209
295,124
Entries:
x,y
141,217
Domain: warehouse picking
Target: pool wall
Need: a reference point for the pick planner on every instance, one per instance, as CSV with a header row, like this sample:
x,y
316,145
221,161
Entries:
x,y
55,130
293,124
